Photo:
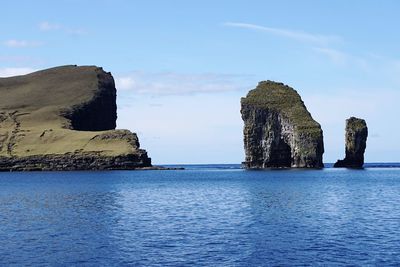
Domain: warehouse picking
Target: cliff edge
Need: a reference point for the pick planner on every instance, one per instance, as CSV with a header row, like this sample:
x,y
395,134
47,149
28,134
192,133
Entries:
x,y
278,129
64,118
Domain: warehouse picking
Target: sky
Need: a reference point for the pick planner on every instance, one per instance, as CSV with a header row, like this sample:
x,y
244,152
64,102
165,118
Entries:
x,y
181,67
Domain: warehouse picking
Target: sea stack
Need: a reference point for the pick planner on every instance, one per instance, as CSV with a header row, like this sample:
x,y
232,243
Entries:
x,y
278,129
356,142
64,118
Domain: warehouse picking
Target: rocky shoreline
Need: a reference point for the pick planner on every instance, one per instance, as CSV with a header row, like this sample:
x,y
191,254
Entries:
x,y
75,162
71,162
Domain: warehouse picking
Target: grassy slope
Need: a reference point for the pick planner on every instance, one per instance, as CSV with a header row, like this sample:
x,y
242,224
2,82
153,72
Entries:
x,y
282,98
30,105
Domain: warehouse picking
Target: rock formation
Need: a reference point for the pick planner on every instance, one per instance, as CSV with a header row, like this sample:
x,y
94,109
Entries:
x,y
278,129
64,118
356,142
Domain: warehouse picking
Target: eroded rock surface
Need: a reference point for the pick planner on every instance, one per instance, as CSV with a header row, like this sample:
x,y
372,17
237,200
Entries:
x,y
64,118
356,143
278,129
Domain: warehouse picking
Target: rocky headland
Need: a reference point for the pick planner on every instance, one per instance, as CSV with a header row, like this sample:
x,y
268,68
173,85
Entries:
x,y
64,118
278,129
356,143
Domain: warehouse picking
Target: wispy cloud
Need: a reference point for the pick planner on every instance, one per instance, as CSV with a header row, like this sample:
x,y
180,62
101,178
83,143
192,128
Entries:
x,y
336,56
377,68
9,72
291,34
126,82
21,43
76,31
20,60
171,83
49,26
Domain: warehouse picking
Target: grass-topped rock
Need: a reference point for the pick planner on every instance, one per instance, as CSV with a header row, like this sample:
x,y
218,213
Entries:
x,y
64,118
356,143
278,129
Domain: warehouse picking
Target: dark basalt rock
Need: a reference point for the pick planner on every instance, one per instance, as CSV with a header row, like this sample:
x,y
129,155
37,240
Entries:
x,y
278,129
100,112
356,142
75,161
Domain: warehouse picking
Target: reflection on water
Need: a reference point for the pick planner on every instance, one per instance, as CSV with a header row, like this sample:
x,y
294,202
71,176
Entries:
x,y
200,217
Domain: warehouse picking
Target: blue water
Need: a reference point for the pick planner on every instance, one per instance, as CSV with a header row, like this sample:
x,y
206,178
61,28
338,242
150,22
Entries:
x,y
202,216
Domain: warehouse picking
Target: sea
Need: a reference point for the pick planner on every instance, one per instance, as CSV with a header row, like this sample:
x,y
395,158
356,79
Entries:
x,y
205,215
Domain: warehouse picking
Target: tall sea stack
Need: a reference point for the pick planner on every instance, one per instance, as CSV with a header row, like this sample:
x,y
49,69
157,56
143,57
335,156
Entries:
x,y
64,118
356,142
278,129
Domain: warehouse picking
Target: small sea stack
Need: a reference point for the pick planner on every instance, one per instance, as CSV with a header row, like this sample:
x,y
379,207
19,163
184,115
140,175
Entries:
x,y
356,142
279,132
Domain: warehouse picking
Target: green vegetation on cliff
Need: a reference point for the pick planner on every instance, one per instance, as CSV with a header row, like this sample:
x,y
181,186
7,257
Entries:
x,y
62,111
285,100
355,123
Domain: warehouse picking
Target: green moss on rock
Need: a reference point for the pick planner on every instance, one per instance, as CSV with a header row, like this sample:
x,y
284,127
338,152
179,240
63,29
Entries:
x,y
284,99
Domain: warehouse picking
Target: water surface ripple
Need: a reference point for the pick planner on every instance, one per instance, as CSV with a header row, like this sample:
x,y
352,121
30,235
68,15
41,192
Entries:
x,y
201,217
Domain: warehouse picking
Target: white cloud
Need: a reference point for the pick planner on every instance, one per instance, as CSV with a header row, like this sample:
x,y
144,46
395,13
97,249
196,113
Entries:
x,y
170,83
295,35
125,83
21,60
21,43
379,69
48,26
9,72
77,31
336,56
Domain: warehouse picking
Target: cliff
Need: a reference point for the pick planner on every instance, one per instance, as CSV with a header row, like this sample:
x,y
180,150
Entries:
x,y
278,129
356,142
64,118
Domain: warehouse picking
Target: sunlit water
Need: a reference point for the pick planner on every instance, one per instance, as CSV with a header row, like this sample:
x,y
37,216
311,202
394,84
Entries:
x,y
219,216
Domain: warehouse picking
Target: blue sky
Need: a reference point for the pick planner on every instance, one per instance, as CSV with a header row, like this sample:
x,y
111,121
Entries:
x,y
182,66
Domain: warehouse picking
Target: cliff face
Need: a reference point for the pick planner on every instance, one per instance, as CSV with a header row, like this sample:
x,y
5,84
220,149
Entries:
x,y
64,119
278,129
356,142
98,113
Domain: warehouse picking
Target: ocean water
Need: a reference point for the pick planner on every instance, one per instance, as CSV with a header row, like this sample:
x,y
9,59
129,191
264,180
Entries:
x,y
206,215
